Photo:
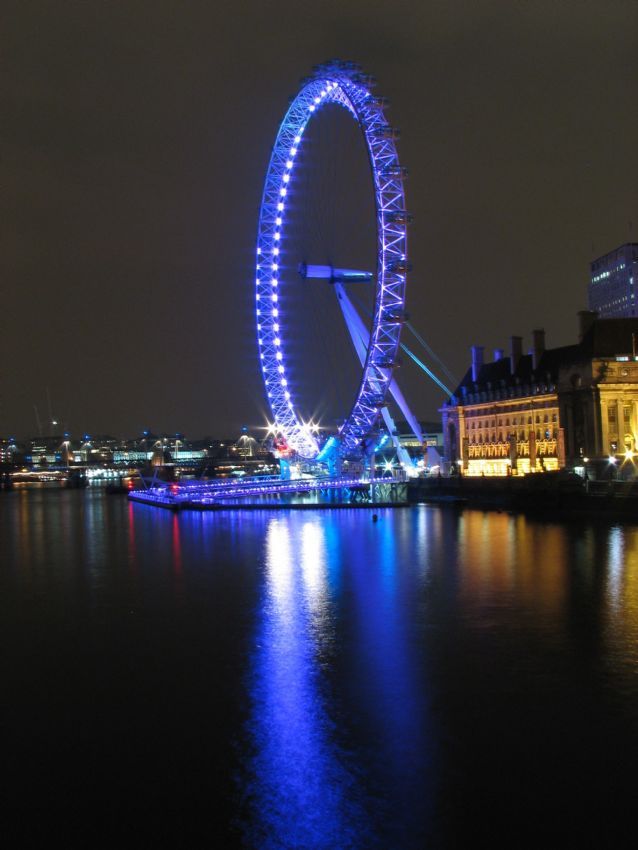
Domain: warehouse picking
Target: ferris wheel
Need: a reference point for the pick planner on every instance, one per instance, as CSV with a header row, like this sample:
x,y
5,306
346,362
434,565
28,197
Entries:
x,y
344,84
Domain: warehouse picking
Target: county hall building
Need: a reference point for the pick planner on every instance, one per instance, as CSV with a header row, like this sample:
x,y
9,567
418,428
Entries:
x,y
574,406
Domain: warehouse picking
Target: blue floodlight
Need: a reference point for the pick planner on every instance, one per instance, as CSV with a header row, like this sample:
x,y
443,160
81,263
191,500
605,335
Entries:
x,y
382,442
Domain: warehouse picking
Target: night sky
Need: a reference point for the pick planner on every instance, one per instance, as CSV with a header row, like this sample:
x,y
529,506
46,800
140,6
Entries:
x,y
135,138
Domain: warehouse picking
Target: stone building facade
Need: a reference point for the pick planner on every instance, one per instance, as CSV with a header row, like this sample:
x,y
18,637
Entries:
x,y
574,406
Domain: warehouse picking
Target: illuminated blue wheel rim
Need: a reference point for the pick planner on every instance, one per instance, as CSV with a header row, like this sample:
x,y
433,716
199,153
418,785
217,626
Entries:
x,y
344,84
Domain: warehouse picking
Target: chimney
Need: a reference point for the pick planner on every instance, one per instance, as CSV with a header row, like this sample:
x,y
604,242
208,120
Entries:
x,y
516,350
498,354
586,319
477,361
538,347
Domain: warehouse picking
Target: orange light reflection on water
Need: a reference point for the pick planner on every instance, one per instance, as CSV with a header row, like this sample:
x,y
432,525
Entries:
x,y
507,556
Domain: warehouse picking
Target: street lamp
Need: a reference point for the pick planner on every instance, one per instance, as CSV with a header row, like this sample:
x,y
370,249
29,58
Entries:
x,y
612,467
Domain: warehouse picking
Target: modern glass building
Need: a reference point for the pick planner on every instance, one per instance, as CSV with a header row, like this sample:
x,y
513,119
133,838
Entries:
x,y
613,279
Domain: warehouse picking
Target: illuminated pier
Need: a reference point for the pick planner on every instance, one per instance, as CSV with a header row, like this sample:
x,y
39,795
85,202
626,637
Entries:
x,y
273,492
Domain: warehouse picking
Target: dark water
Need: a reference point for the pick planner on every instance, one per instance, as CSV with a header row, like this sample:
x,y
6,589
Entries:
x,y
314,680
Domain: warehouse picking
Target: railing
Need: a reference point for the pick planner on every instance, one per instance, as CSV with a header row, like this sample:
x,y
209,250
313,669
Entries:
x,y
210,492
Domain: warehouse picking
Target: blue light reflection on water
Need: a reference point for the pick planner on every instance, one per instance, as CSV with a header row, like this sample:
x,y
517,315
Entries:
x,y
304,786
387,676
299,785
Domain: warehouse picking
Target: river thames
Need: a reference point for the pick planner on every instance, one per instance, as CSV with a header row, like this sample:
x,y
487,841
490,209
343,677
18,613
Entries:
x,y
301,679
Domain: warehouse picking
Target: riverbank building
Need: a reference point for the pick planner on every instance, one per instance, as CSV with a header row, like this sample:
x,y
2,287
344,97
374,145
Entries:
x,y
573,407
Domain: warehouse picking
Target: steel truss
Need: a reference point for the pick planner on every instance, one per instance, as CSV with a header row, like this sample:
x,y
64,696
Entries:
x,y
344,84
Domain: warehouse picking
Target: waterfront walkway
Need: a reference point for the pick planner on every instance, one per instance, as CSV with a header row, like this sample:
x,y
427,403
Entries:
x,y
552,493
273,491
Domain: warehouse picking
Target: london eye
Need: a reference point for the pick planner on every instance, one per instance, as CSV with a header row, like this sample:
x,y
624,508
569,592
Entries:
x,y
342,84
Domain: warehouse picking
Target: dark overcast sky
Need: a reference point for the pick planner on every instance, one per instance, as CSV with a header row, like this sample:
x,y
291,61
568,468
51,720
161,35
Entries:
x,y
135,137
